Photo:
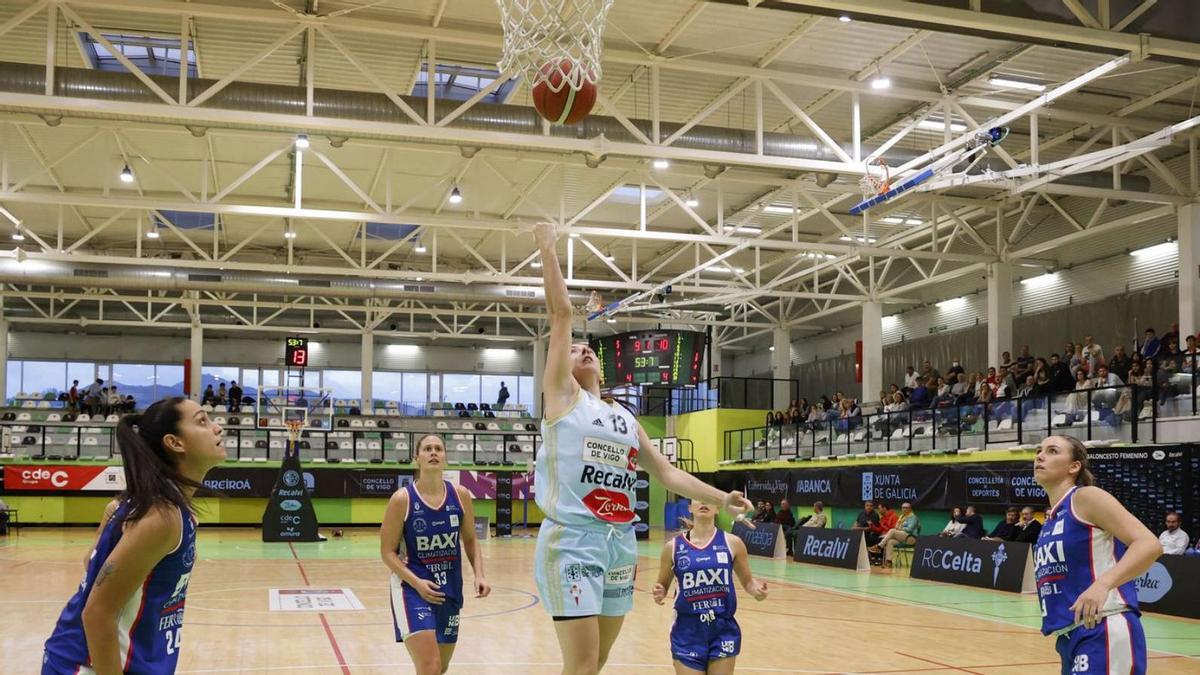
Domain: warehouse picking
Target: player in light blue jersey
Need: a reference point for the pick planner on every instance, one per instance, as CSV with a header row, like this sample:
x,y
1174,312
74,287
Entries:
x,y
705,637
427,526
1087,555
586,472
127,616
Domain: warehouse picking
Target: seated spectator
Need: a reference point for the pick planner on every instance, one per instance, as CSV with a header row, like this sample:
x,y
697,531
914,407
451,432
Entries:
x,y
1006,361
1124,402
1078,361
1190,358
816,417
1042,387
817,519
1104,378
1077,402
1005,530
1150,344
1025,363
910,379
787,523
887,520
1026,389
1006,386
114,400
961,387
942,395
954,527
905,531
761,513
209,396
992,380
1094,357
235,397
1119,363
1171,334
222,394
1028,527
921,397
769,512
973,522
1174,540
955,372
850,416
865,521
770,419
1061,377
129,405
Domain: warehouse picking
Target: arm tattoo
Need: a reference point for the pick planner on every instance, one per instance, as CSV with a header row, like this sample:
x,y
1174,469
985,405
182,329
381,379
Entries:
x,y
104,573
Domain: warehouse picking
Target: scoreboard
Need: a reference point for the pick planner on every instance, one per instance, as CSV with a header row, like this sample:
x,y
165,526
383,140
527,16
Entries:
x,y
295,353
663,357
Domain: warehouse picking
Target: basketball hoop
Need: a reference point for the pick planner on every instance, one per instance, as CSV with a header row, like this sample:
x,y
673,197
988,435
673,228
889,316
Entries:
x,y
594,302
294,427
556,42
876,178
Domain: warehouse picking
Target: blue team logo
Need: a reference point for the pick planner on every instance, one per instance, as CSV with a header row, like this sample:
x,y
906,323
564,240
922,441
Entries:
x,y
419,525
291,478
684,563
189,556
998,559
868,485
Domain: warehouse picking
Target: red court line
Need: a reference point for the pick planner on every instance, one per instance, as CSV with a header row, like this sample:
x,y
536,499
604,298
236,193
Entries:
x,y
939,663
337,652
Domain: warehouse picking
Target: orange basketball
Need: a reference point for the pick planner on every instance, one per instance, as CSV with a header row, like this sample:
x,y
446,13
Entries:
x,y
566,106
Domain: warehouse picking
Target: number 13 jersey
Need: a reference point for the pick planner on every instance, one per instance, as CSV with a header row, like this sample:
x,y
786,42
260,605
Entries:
x,y
586,468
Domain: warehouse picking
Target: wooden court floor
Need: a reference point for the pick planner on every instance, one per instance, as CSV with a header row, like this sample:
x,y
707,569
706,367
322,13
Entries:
x,y
816,620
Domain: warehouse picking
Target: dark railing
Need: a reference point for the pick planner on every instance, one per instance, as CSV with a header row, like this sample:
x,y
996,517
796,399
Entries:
x,y
1102,413
751,393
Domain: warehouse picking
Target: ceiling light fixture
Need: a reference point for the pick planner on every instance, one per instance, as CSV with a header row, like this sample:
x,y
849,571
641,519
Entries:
x,y
455,196
661,164
1009,83
302,141
126,175
940,125
692,202
845,18
152,233
419,247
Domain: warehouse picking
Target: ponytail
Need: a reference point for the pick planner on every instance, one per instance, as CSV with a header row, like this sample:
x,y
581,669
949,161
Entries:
x,y
1079,454
151,477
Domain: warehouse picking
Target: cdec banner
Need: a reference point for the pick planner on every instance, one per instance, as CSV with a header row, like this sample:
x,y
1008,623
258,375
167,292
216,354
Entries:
x,y
999,565
63,478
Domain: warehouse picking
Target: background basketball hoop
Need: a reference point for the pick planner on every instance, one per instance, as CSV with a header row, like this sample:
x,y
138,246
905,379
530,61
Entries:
x,y
556,46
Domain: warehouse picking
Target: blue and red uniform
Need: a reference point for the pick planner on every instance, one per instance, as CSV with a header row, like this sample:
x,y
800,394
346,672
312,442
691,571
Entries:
x,y
704,628
150,624
431,551
1071,554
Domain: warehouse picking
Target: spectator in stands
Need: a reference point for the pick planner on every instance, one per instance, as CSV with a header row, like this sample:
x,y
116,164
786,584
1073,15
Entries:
x,y
502,397
1091,344
235,396
1061,378
963,387
850,416
1150,344
973,522
865,521
1006,385
1026,388
1171,334
91,397
1094,356
1005,530
1174,540
787,523
1077,401
1077,362
992,380
817,519
101,407
910,379
770,514
222,395
114,400
1167,364
770,421
921,396
1027,527
1105,378
73,397
954,527
942,396
905,531
1119,363
816,416
955,372
1124,402
760,512
1025,363
129,404
1042,386
1190,357
887,519
928,371
209,396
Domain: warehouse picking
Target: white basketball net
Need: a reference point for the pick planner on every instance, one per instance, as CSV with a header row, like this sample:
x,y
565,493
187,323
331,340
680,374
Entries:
x,y
554,41
876,178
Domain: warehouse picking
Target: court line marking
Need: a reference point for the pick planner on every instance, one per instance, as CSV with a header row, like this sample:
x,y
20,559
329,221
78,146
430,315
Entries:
x,y
549,664
939,663
337,652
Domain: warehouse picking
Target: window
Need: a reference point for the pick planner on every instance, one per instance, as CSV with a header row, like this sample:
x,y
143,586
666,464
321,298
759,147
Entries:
x,y
249,382
460,388
491,387
524,393
40,377
13,381
387,386
415,400
344,383
134,379
217,375
460,83
169,381
154,55
435,388
84,372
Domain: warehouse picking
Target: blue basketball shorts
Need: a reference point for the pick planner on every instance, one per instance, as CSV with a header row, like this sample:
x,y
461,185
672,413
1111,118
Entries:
x,y
585,571
697,639
412,614
1115,645
52,665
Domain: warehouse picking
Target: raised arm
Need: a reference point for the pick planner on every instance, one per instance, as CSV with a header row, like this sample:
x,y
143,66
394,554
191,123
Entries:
x,y
683,483
558,386
470,543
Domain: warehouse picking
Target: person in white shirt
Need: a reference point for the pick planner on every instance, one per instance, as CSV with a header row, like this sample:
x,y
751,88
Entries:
x,y
1174,540
910,378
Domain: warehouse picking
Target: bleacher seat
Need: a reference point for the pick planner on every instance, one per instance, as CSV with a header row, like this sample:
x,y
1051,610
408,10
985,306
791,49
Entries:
x,y
91,440
247,443
28,404
462,447
374,445
345,445
370,424
275,444
24,417
492,426
219,420
231,443
468,426
221,408
112,419
43,404
83,417
206,408
442,425
54,417
356,423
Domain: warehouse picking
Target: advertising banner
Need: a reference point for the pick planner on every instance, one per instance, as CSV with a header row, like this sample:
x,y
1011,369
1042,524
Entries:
x,y
64,478
289,515
1169,586
999,565
832,548
641,506
504,499
765,540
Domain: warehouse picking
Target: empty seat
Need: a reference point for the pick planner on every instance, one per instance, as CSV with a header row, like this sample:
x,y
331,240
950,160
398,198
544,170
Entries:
x,y
91,440
276,444
24,417
231,443
1005,425
247,443
346,445
220,420
112,419
468,426
221,408
442,425
54,417
43,404
83,417
206,408
370,424
374,445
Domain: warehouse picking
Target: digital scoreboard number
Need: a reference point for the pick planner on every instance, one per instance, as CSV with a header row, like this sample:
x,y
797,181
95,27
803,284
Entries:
x,y
671,358
295,354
